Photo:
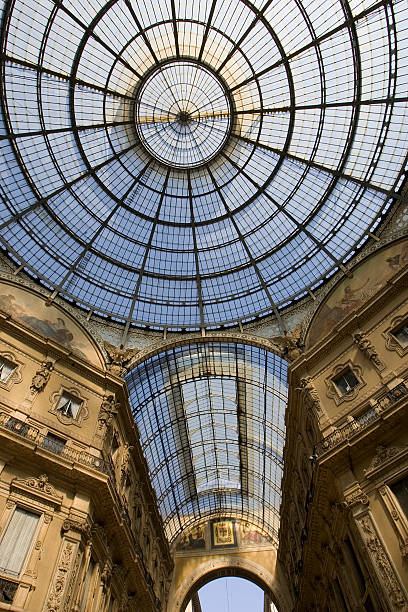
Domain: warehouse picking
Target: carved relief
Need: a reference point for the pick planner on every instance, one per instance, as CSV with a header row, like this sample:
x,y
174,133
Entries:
x,y
57,591
119,358
381,563
69,406
40,487
369,351
398,518
382,455
354,497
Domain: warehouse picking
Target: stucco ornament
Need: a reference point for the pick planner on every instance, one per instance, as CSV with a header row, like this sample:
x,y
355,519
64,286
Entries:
x,y
120,358
309,393
42,376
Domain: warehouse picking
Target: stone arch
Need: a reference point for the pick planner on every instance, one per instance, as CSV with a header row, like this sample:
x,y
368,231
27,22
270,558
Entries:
x,y
235,337
221,566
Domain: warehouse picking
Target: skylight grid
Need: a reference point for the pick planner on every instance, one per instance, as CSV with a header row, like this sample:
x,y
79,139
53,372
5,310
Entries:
x,y
197,408
234,133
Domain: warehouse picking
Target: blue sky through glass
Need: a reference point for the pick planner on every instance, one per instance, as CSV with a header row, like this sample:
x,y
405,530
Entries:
x,y
231,595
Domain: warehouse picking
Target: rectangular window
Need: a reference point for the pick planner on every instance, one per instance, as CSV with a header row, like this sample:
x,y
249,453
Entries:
x,y
7,590
54,443
16,541
346,382
401,334
400,490
87,584
6,369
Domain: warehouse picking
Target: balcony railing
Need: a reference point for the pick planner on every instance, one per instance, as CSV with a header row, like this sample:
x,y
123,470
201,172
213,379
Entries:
x,y
56,447
361,422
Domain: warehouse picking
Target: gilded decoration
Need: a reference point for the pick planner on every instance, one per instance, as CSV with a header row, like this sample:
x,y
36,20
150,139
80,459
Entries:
x,y
69,406
15,376
223,534
331,388
391,341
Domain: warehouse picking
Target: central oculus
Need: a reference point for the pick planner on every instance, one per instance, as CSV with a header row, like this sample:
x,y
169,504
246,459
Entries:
x,y
183,114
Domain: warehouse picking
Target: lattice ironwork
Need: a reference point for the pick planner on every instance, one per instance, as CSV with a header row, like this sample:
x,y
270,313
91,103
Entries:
x,y
211,419
195,164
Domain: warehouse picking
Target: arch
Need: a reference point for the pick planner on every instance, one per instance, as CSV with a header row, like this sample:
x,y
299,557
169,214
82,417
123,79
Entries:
x,y
233,336
239,392
221,566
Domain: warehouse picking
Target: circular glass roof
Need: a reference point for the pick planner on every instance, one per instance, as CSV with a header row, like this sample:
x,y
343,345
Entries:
x,y
183,114
194,164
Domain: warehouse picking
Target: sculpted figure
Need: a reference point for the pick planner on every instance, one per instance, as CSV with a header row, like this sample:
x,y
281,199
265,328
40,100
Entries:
x,y
308,390
289,346
367,348
119,358
42,376
109,408
124,468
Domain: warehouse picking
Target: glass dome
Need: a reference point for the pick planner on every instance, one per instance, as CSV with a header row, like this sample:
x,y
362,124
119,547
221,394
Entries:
x,y
195,164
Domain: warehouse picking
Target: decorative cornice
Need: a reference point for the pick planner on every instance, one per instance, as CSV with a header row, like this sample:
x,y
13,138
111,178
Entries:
x,y
384,455
354,497
40,487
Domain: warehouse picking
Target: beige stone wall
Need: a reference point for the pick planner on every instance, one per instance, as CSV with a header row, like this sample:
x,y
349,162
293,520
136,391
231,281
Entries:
x,y
343,532
99,540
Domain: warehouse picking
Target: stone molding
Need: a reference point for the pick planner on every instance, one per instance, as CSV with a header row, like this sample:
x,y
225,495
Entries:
x,y
390,586
38,487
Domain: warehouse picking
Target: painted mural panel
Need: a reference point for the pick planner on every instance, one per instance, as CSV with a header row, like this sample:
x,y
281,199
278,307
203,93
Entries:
x,y
223,533
351,293
50,321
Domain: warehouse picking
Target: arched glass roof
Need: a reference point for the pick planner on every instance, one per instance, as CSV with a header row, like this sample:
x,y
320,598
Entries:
x,y
211,419
191,164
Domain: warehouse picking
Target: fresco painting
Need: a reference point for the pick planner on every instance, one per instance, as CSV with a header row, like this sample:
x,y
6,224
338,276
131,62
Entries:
x,y
49,321
368,278
193,540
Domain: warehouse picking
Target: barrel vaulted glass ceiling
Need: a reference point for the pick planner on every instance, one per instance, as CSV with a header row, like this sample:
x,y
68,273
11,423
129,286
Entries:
x,y
191,164
211,422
